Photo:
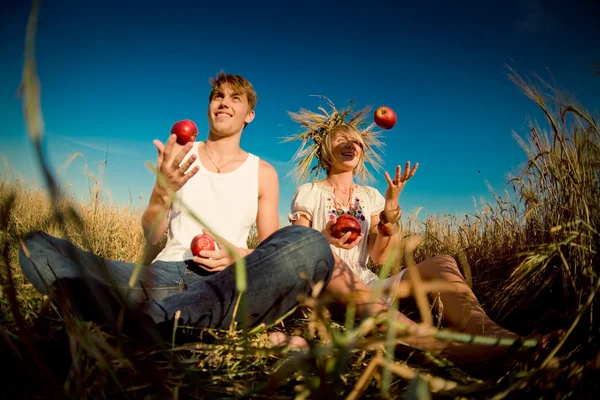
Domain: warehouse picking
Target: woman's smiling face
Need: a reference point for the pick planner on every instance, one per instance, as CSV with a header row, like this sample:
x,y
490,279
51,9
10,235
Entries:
x,y
346,151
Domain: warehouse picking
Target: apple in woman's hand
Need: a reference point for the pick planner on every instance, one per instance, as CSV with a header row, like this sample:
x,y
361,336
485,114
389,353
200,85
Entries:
x,y
186,131
346,223
385,117
202,242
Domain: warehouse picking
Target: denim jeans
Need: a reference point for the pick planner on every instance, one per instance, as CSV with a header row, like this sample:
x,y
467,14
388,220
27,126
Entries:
x,y
204,299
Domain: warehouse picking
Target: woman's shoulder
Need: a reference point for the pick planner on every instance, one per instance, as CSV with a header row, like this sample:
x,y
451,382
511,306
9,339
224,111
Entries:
x,y
370,191
372,197
308,187
307,196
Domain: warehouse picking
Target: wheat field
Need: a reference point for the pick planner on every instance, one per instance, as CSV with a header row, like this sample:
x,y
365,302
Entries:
x,y
531,257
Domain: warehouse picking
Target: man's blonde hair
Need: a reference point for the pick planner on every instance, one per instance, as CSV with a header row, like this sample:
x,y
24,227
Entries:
x,y
237,83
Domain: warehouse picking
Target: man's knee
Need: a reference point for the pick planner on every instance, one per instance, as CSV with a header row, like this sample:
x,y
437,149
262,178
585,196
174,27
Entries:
x,y
28,244
301,238
309,241
34,239
305,248
33,243
296,231
33,259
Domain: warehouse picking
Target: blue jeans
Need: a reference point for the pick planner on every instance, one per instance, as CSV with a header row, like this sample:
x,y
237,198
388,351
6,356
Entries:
x,y
205,299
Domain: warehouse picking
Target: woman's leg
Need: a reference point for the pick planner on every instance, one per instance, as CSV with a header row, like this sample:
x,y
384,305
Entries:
x,y
457,310
461,308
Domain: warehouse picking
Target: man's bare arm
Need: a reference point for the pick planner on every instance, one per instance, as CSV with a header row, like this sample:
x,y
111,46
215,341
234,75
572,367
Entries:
x,y
172,174
267,218
154,219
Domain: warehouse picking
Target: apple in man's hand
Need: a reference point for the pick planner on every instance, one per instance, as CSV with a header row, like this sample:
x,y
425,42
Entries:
x,y
202,242
186,131
385,117
346,223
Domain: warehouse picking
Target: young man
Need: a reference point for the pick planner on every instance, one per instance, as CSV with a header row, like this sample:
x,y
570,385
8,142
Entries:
x,y
228,190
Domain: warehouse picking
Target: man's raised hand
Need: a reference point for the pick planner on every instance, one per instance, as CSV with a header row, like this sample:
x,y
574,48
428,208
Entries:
x,y
174,173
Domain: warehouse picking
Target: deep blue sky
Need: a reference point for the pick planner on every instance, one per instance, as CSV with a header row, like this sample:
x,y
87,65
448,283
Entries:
x,y
121,72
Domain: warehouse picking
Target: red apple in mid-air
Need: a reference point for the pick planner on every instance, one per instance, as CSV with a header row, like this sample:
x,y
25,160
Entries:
x,y
385,117
186,131
346,223
201,242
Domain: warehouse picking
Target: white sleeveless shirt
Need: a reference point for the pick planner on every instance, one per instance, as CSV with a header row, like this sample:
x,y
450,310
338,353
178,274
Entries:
x,y
226,203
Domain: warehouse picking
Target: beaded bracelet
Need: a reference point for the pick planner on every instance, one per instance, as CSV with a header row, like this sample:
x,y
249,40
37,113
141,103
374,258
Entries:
x,y
388,229
391,216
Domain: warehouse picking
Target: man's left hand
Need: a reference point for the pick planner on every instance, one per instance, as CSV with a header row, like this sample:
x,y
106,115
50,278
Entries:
x,y
219,259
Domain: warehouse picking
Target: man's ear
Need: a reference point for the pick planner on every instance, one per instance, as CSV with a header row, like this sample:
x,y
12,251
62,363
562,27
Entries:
x,y
249,117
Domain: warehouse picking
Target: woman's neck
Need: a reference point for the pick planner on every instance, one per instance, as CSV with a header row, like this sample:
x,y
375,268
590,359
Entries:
x,y
342,181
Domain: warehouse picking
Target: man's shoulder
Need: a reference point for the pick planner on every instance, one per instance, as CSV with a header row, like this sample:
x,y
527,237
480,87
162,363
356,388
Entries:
x,y
263,163
265,168
267,176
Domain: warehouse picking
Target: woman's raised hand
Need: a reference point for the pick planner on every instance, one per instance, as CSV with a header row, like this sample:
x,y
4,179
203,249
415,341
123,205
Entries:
x,y
396,185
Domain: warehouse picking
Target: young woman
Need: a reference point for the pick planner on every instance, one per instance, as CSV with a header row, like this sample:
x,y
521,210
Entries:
x,y
319,204
341,149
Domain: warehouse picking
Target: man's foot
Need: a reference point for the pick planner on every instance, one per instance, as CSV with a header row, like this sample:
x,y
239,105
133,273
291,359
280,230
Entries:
x,y
292,342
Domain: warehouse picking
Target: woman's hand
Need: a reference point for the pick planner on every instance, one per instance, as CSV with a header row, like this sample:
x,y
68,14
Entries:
x,y
341,242
219,259
395,186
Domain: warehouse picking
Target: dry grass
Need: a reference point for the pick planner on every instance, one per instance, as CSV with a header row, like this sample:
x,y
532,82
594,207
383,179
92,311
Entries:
x,y
505,249
536,246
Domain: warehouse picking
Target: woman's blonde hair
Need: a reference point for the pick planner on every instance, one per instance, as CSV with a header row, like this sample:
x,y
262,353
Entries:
x,y
327,147
317,134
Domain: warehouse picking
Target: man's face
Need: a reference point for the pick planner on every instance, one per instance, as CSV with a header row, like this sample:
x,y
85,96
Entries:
x,y
228,112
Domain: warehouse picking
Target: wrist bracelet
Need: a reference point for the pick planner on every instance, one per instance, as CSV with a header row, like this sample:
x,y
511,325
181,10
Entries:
x,y
390,216
388,229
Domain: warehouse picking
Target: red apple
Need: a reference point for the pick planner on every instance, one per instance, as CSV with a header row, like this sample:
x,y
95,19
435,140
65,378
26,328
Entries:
x,y
385,117
201,242
186,131
346,223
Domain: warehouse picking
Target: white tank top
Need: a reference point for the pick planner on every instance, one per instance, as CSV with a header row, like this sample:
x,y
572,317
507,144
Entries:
x,y
227,204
